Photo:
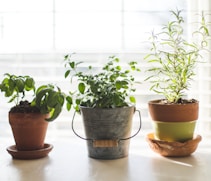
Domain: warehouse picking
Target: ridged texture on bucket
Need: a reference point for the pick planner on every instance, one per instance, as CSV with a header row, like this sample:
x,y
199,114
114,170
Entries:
x,y
108,124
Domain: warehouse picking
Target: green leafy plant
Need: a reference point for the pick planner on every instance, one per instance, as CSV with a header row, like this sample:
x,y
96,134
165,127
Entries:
x,y
111,87
174,58
47,98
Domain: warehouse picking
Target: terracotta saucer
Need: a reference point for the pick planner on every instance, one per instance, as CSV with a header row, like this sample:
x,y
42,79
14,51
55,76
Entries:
x,y
28,155
173,149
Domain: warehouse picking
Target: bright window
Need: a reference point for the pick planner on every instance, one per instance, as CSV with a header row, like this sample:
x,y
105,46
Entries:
x,y
36,34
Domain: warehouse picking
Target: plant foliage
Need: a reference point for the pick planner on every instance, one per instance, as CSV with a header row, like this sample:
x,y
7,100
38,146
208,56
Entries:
x,y
174,58
111,87
15,87
47,98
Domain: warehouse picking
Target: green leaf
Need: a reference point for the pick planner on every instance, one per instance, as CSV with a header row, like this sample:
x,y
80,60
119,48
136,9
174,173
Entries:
x,y
54,113
66,57
77,108
51,98
118,68
40,96
60,98
116,99
42,87
29,83
132,99
11,84
20,85
69,99
68,106
81,87
78,101
118,84
72,65
67,73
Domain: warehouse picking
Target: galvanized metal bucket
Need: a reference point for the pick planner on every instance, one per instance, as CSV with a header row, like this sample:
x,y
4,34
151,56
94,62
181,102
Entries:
x,y
108,131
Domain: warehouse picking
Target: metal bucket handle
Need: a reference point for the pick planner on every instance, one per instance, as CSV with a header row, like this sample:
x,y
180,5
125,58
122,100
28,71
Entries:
x,y
108,143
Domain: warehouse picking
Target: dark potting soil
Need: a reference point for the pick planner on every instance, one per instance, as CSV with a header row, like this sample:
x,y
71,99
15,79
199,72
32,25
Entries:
x,y
180,101
24,107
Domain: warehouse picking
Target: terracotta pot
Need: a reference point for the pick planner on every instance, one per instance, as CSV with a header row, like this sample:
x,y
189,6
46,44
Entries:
x,y
29,130
173,112
173,122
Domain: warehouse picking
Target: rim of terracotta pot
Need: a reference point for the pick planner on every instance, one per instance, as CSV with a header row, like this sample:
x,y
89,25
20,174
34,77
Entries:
x,y
173,112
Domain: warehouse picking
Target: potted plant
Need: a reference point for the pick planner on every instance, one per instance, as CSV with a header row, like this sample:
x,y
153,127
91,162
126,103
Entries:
x,y
104,99
173,60
29,119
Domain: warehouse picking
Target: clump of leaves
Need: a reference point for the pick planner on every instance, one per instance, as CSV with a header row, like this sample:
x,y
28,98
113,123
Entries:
x,y
15,87
174,58
47,98
111,87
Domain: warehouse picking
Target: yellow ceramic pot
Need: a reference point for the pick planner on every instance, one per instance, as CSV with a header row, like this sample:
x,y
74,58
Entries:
x,y
174,131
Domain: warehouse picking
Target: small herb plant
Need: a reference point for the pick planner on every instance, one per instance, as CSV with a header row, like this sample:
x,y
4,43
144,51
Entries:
x,y
111,87
174,58
47,98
